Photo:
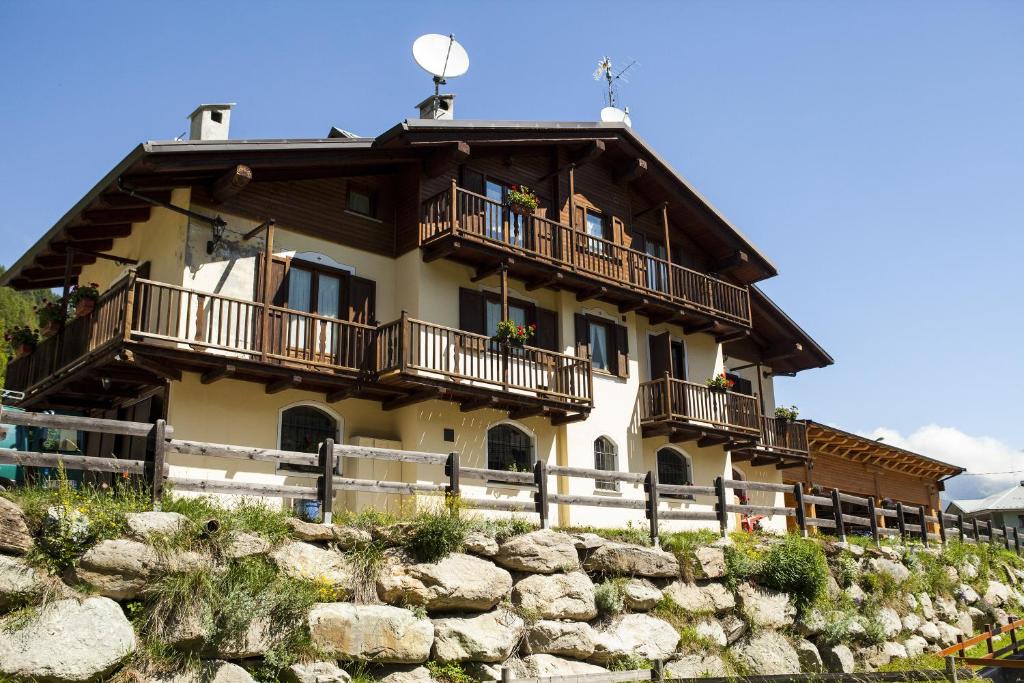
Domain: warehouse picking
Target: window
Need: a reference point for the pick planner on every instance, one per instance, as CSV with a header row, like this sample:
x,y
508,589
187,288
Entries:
x,y
604,343
303,429
674,469
362,201
605,458
599,346
492,309
480,312
502,224
657,266
741,385
509,448
600,227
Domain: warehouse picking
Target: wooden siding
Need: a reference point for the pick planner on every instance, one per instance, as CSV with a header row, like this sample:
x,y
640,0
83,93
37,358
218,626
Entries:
x,y
831,471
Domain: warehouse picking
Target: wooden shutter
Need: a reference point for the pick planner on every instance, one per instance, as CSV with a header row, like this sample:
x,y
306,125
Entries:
x,y
362,301
547,329
278,282
472,180
741,385
621,351
661,355
471,311
582,336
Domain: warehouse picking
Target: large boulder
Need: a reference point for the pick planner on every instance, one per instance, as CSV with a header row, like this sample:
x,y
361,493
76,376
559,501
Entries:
x,y
457,582
710,629
947,633
315,672
304,561
346,537
635,634
144,525
622,559
640,595
767,653
927,607
997,594
539,552
479,543
696,666
810,658
945,608
839,659
889,620
915,646
67,640
311,532
967,594
15,537
734,628
488,637
711,598
119,569
564,638
209,672
881,654
547,666
255,641
929,631
376,633
19,581
241,544
765,609
556,596
712,562
911,622
893,568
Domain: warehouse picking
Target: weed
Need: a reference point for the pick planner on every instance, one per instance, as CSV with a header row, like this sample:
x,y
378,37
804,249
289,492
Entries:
x,y
741,563
684,545
610,597
245,516
437,533
503,529
634,534
629,663
796,566
845,569
366,562
448,672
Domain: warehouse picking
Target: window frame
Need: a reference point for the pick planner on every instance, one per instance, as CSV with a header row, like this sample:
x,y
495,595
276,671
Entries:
x,y
370,194
530,437
613,454
339,426
688,478
607,232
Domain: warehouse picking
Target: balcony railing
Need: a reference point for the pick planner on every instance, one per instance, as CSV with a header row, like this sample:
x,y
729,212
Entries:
x,y
672,400
784,436
174,317
477,217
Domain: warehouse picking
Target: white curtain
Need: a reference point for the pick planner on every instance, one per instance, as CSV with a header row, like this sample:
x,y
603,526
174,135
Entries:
x,y
299,294
328,296
599,346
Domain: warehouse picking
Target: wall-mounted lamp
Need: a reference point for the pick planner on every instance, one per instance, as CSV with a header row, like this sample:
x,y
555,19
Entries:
x,y
218,225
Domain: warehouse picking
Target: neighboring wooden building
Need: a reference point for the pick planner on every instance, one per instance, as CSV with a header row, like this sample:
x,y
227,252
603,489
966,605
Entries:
x,y
865,467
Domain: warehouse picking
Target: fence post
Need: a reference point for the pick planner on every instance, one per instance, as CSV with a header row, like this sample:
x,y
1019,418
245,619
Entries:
x,y
651,488
951,668
159,454
1006,536
657,671
1013,635
962,528
723,516
837,512
326,483
977,530
901,521
942,527
990,628
924,525
540,478
451,468
801,513
1016,539
873,516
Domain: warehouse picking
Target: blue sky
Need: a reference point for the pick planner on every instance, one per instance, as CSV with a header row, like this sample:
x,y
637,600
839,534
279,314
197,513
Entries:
x,y
873,150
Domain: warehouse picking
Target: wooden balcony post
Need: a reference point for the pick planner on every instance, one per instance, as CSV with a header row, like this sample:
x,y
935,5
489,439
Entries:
x,y
651,489
453,205
873,516
723,516
668,249
403,342
326,480
1006,536
837,512
268,258
540,480
667,407
129,306
977,530
801,513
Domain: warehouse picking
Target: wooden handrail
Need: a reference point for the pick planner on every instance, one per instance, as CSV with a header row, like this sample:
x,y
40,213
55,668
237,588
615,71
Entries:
x,y
675,399
782,434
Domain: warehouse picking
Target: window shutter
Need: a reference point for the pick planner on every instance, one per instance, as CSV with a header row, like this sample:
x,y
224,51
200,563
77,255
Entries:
x,y
547,329
471,311
618,231
278,282
472,180
661,355
582,336
580,220
362,300
622,351
741,385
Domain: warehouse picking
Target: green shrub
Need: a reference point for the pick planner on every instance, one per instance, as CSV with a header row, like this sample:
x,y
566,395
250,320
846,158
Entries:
x,y
873,634
503,529
795,566
684,545
836,629
245,516
741,563
610,598
629,663
448,672
845,568
437,533
635,534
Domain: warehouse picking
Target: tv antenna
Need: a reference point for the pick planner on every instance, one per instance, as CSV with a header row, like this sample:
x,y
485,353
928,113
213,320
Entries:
x,y
440,56
611,113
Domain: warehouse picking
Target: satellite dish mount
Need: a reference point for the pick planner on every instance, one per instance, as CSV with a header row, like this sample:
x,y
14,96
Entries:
x,y
611,112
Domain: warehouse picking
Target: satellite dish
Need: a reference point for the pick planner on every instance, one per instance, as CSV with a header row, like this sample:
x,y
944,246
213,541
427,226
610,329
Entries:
x,y
615,115
440,56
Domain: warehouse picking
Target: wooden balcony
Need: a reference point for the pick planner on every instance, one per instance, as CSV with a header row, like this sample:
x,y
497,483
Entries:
x,y
685,411
476,230
143,332
782,442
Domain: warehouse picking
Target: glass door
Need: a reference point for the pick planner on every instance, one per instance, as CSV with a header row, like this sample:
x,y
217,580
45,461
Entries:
x,y
657,270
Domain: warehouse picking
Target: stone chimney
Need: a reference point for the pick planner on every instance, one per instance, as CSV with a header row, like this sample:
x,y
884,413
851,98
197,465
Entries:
x,y
210,122
437,107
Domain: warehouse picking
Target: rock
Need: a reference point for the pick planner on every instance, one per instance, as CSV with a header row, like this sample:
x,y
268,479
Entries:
x,y
855,628
186,630
927,609
911,602
488,637
855,593
565,638
185,561
696,666
997,594
640,594
880,655
947,633
734,628
889,620
377,633
243,544
965,623
539,552
999,616
832,588
767,653
210,672
257,640
310,531
968,571
838,659
764,608
929,631
893,568
68,640
635,634
915,645
945,608
479,543
120,569
812,623
708,599
315,672
622,559
347,537
587,541
405,674
16,537
305,561
143,525
712,562
953,574
911,622
19,581
546,666
810,658
556,596
457,582
712,631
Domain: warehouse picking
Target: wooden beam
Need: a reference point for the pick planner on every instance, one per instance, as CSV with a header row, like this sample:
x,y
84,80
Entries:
x,y
449,248
633,305
554,281
706,440
168,373
587,153
708,326
735,335
522,413
99,245
446,157
478,403
231,183
568,418
415,397
484,272
630,171
114,216
343,393
656,207
591,293
760,460
780,353
217,374
790,464
58,260
96,232
277,386
735,260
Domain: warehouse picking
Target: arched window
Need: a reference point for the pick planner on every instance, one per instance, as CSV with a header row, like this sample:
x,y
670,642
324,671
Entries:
x,y
606,457
304,428
674,468
509,448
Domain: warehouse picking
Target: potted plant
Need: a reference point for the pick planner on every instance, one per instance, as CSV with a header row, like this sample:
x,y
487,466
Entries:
x,y
22,339
51,317
521,200
510,333
788,414
83,298
719,382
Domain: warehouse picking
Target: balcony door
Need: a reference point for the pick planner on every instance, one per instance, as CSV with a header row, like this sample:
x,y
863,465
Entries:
x,y
667,355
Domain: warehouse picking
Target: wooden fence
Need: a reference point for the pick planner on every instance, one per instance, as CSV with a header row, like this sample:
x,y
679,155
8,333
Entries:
x,y
911,523
993,657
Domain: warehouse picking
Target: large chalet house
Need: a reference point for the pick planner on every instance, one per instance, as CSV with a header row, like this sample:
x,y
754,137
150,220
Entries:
x,y
274,293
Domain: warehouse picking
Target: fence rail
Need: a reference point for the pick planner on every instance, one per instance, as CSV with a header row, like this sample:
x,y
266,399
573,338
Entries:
x,y
718,504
